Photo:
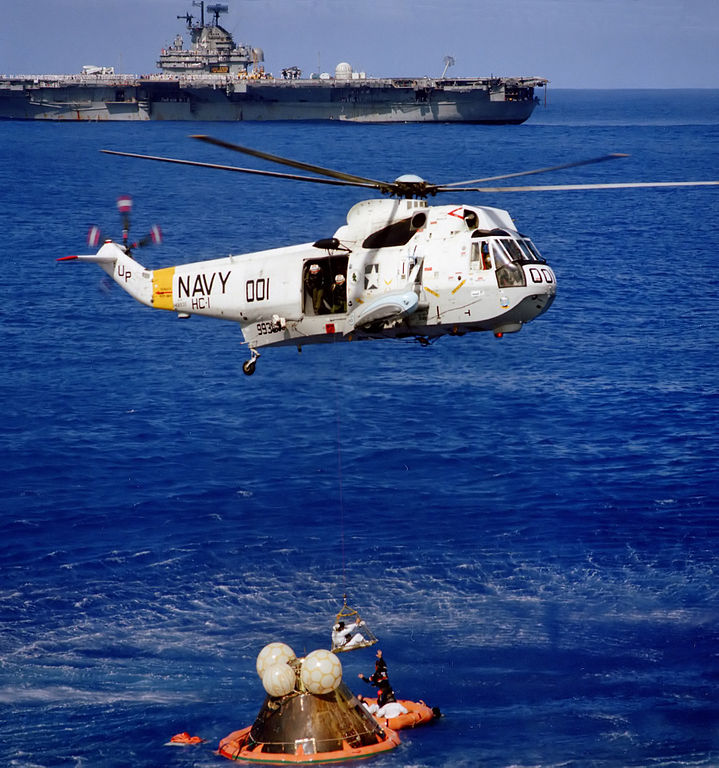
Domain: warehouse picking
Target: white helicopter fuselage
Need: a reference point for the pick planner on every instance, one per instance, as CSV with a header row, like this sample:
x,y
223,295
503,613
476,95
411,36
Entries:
x,y
409,269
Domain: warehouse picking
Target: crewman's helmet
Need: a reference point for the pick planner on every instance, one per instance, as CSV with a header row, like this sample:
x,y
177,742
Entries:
x,y
339,279
314,269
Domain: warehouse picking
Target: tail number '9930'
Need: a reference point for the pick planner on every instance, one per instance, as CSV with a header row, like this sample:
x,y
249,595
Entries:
x,y
266,327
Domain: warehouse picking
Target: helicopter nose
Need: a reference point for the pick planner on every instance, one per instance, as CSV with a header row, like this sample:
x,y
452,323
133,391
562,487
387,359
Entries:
x,y
542,283
541,277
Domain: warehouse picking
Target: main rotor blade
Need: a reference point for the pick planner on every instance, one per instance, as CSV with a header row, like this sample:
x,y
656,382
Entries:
x,y
565,187
237,169
561,167
293,163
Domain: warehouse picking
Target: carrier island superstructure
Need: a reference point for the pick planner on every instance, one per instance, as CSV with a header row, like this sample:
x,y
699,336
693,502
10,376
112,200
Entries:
x,y
216,79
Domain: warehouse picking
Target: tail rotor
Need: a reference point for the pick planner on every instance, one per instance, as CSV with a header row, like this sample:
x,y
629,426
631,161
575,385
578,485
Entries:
x,y
124,206
154,237
94,236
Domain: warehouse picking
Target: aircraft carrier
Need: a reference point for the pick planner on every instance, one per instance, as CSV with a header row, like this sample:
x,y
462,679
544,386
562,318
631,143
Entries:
x,y
216,79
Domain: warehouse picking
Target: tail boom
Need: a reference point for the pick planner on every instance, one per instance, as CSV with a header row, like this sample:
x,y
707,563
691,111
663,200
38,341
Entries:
x,y
129,274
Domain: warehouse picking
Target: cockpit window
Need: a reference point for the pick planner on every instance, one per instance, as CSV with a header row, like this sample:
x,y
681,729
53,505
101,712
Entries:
x,y
509,273
533,249
506,253
521,250
500,255
527,254
513,249
397,233
479,256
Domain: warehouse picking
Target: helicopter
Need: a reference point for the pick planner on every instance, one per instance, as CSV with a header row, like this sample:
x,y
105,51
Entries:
x,y
398,269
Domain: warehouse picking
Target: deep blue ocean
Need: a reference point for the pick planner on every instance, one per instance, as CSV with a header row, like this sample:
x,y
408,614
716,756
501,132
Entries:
x,y
528,524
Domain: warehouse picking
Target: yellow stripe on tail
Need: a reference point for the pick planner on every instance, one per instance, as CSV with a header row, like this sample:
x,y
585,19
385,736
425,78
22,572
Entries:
x,y
162,288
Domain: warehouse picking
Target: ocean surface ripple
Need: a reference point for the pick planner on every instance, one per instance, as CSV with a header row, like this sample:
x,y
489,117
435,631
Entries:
x,y
528,524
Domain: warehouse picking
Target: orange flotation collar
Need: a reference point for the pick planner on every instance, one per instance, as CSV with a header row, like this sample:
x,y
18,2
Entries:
x,y
238,746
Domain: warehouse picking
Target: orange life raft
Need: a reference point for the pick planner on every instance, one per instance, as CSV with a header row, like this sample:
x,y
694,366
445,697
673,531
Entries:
x,y
239,746
418,713
185,738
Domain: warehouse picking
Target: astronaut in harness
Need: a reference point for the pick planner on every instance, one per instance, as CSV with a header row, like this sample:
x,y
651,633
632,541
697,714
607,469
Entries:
x,y
346,637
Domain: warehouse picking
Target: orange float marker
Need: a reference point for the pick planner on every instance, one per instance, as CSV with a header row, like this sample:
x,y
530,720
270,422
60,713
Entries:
x,y
184,739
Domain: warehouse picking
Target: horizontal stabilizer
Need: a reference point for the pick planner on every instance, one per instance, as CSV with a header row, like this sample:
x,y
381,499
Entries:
x,y
389,306
95,258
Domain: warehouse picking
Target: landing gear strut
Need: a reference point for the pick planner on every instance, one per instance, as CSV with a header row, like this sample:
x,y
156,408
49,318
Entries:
x,y
248,367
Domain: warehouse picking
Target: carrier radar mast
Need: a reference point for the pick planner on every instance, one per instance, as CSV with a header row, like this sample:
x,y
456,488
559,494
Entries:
x,y
215,10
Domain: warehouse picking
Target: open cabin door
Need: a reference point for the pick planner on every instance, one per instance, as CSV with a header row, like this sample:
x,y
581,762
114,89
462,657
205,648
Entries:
x,y
324,281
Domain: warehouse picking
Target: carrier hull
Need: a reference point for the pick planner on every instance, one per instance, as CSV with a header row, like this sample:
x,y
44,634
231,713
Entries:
x,y
218,98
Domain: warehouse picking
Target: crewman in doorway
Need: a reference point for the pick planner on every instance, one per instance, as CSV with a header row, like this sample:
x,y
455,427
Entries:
x,y
314,282
338,295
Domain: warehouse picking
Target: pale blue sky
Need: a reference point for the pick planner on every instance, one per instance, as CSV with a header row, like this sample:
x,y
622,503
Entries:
x,y
574,43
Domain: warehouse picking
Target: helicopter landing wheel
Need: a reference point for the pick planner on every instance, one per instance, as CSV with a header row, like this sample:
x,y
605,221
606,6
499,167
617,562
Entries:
x,y
248,367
